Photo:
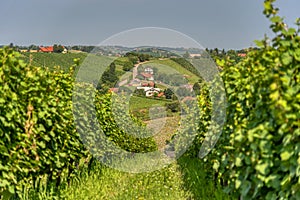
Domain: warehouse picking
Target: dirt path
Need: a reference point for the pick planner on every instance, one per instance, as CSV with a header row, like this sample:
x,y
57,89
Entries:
x,y
135,69
166,131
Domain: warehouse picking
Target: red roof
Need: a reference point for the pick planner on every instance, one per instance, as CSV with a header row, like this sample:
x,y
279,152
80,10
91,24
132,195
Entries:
x,y
146,75
151,84
148,84
160,94
242,54
46,49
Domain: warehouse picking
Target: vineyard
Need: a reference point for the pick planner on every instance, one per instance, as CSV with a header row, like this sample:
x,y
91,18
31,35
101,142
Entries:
x,y
43,155
51,60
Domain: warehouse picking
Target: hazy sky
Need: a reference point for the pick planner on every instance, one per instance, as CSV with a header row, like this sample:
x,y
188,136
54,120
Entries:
x,y
229,24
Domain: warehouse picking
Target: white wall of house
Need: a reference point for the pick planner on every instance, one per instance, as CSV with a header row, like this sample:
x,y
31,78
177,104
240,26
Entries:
x,y
149,90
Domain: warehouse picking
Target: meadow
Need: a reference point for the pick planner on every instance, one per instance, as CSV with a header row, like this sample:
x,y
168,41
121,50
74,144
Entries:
x,y
168,66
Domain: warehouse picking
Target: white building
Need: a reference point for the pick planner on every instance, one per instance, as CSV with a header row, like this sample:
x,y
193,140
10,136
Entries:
x,y
149,70
150,91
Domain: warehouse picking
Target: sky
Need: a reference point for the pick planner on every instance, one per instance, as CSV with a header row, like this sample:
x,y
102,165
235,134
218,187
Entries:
x,y
228,24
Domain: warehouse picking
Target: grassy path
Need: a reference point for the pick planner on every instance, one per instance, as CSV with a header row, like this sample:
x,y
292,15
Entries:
x,y
179,181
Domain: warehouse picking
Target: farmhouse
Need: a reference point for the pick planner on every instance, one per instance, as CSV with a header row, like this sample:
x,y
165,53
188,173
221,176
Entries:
x,y
50,49
150,91
149,70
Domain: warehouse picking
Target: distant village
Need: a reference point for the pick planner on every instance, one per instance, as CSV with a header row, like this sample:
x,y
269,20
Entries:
x,y
145,84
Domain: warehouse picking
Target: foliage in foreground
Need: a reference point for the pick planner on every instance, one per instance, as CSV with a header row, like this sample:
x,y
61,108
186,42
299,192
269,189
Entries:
x,y
37,133
38,136
257,156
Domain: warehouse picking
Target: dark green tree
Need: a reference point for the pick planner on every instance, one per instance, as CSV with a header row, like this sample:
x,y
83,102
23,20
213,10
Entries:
x,y
109,77
196,88
127,66
168,93
58,48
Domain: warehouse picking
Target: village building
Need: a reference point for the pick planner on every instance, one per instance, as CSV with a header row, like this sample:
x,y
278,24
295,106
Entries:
x,y
195,55
147,76
149,70
150,91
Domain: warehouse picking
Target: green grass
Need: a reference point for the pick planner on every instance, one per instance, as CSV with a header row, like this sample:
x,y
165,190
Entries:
x,y
137,102
182,180
126,76
168,66
105,183
196,181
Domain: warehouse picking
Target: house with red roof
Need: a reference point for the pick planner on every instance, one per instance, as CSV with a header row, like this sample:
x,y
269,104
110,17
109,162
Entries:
x,y
242,55
147,76
48,49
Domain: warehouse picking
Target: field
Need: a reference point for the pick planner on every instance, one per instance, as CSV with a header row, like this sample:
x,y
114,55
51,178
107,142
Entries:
x,y
168,66
137,102
53,59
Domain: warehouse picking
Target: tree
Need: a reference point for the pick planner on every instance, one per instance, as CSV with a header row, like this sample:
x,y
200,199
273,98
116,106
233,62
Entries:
x,y
109,77
223,52
196,88
143,57
168,93
140,92
216,50
133,59
173,106
127,66
186,54
58,48
33,47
